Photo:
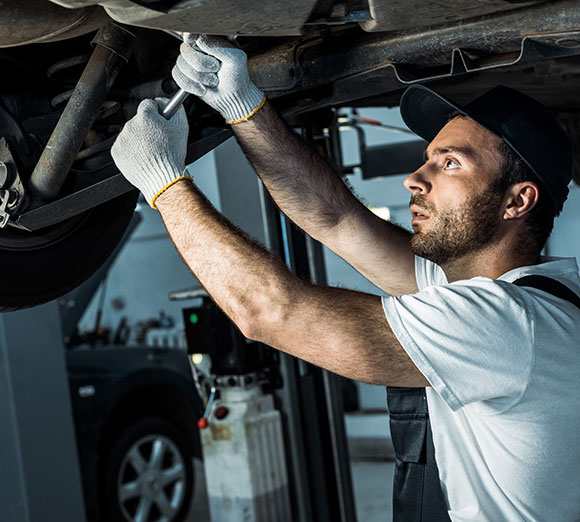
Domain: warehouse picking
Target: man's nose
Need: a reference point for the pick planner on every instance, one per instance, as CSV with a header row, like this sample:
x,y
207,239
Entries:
x,y
417,182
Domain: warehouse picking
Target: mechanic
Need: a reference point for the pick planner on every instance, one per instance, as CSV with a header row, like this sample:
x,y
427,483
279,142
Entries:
x,y
474,314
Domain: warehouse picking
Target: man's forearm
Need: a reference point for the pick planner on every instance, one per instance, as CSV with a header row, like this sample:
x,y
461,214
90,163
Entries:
x,y
314,196
217,252
305,187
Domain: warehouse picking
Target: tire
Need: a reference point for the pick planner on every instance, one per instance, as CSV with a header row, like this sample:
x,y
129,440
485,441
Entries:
x,y
132,484
41,266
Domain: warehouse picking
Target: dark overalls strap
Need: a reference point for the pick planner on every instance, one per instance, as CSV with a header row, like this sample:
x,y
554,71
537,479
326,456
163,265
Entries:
x,y
417,494
549,285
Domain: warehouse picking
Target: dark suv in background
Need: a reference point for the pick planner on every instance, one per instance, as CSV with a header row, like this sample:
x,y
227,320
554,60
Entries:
x,y
135,413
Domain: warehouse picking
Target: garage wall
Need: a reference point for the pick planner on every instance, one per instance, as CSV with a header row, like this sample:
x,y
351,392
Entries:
x,y
565,240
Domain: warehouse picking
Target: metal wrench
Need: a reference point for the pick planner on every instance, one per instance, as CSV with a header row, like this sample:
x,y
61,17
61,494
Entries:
x,y
174,103
179,97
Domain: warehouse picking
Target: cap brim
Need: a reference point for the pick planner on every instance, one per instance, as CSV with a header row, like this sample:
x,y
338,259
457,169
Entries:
x,y
425,112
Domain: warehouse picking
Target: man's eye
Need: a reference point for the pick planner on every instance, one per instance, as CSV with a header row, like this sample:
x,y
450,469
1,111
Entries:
x,y
451,164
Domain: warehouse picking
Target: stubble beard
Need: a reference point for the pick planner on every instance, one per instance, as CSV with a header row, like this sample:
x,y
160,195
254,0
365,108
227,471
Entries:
x,y
457,232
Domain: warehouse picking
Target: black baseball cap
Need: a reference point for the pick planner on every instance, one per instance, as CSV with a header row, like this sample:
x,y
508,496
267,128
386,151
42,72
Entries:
x,y
529,129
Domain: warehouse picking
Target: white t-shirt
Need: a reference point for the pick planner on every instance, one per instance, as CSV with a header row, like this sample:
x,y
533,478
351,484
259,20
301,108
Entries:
x,y
504,365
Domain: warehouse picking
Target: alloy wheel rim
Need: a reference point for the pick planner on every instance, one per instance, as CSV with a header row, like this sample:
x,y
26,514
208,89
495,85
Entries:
x,y
151,481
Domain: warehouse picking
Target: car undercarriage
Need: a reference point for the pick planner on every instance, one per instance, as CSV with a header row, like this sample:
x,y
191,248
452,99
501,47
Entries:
x,y
76,71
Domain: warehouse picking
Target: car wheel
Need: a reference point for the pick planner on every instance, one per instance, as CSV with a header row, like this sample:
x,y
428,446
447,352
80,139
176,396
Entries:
x,y
40,266
147,474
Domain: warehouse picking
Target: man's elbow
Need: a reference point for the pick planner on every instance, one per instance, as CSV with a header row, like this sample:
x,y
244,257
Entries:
x,y
260,325
246,326
263,317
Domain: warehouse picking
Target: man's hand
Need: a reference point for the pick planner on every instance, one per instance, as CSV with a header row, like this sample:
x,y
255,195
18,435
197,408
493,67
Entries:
x,y
150,150
216,70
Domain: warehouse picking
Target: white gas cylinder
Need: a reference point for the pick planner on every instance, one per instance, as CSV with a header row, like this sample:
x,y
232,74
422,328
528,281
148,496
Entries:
x,y
245,465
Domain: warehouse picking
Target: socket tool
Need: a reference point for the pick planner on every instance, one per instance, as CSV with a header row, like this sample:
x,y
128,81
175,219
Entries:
x,y
174,103
179,97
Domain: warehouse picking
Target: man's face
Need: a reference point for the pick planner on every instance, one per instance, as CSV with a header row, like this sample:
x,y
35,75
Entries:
x,y
455,208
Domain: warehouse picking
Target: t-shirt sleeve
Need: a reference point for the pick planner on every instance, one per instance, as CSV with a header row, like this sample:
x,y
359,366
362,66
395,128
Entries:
x,y
428,273
472,340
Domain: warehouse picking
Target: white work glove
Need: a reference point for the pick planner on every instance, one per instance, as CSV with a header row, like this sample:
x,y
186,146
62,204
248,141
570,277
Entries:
x,y
150,150
217,71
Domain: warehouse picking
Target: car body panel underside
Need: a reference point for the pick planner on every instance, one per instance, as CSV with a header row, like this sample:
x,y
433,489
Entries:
x,y
332,53
281,17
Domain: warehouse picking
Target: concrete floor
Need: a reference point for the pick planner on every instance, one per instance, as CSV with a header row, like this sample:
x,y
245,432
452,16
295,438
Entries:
x,y
372,482
373,489
371,466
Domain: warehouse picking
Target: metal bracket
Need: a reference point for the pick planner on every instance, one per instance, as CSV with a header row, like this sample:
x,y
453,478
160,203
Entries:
x,y
4,215
11,187
247,380
391,76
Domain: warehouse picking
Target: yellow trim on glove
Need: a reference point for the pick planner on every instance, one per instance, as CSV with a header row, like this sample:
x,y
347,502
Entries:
x,y
245,118
166,187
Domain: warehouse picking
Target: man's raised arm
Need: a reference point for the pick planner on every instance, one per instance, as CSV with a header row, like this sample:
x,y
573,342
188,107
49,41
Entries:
x,y
305,187
340,330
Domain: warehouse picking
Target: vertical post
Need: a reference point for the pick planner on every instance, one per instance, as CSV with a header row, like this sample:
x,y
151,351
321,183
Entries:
x,y
39,475
328,144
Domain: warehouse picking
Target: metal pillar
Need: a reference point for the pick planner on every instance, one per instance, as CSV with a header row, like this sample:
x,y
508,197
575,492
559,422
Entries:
x,y
239,190
314,395
39,475
328,143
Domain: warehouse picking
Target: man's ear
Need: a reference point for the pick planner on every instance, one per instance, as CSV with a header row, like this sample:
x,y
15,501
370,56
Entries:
x,y
520,199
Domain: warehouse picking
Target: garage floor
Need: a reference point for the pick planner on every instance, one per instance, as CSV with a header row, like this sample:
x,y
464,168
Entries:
x,y
372,488
371,466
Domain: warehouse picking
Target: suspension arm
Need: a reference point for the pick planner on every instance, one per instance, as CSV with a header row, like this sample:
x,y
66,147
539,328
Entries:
x,y
113,46
103,191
